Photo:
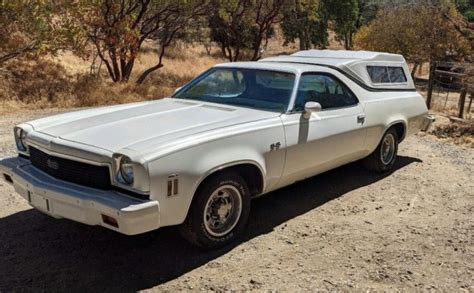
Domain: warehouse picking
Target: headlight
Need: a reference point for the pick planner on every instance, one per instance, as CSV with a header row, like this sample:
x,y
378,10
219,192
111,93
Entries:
x,y
20,136
125,170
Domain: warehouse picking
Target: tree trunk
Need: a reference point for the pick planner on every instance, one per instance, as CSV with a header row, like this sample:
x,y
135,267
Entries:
x,y
413,71
346,42
471,97
18,52
127,71
430,84
256,49
115,66
303,41
142,77
302,44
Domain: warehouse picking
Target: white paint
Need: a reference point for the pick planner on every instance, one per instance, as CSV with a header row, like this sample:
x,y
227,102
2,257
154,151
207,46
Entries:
x,y
194,139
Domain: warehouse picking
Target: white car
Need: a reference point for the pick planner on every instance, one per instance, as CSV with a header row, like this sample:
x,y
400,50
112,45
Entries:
x,y
235,132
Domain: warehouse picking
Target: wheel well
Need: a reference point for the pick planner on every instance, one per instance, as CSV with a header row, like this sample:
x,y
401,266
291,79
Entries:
x,y
249,172
400,129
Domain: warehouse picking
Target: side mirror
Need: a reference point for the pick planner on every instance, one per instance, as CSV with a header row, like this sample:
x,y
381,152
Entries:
x,y
310,108
177,89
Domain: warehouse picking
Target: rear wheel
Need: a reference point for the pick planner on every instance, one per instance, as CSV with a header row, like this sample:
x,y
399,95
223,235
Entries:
x,y
219,211
385,155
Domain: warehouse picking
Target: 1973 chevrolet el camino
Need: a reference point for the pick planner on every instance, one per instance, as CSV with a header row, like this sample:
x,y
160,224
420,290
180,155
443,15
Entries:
x,y
233,133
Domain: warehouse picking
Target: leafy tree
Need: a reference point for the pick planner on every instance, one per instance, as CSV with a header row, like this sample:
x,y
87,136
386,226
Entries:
x,y
240,25
344,15
307,21
32,28
118,29
420,32
466,8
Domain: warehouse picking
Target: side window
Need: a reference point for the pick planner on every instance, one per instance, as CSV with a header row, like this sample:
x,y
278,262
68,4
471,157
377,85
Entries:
x,y
378,74
396,74
386,74
324,89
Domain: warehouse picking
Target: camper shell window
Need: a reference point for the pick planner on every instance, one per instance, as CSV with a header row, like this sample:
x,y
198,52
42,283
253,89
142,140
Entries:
x,y
386,74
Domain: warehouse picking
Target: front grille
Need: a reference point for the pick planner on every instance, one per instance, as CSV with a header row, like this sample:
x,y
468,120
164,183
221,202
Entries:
x,y
71,171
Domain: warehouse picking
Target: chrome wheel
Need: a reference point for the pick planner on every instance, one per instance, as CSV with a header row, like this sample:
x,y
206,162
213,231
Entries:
x,y
387,149
223,210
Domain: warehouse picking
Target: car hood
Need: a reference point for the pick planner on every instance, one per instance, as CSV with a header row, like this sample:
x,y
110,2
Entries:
x,y
131,125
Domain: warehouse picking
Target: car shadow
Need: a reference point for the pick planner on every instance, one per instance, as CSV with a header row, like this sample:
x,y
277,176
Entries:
x,y
41,253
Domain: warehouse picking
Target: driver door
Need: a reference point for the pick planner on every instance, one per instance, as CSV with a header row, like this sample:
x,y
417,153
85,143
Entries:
x,y
327,139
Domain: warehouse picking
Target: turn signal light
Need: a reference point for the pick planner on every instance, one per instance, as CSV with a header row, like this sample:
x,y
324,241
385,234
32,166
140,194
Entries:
x,y
110,221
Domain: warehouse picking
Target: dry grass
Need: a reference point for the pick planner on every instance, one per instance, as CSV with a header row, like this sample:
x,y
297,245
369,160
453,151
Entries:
x,y
459,133
66,81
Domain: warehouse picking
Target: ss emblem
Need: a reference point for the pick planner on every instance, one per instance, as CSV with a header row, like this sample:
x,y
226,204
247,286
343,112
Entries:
x,y
275,146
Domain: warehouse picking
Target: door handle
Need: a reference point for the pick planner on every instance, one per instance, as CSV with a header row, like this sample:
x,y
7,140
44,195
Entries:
x,y
361,118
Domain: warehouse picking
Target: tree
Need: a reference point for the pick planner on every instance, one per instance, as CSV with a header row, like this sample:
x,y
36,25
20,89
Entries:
x,y
36,27
239,25
466,8
344,15
420,32
118,29
307,21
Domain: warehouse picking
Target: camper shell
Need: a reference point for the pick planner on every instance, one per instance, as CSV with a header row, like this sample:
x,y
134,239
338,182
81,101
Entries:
x,y
374,71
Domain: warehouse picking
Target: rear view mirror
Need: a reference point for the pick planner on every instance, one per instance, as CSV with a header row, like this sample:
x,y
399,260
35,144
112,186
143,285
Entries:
x,y
311,107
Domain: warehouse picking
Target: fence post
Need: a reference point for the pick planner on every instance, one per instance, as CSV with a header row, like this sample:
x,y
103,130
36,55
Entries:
x,y
430,84
462,101
471,97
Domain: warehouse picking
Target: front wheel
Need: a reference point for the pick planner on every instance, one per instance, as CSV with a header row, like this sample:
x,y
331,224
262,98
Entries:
x,y
385,155
219,211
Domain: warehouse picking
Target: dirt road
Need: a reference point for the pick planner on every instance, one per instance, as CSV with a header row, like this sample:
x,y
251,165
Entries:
x,y
345,229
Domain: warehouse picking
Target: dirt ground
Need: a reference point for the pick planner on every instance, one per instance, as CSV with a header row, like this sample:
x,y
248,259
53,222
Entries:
x,y
344,230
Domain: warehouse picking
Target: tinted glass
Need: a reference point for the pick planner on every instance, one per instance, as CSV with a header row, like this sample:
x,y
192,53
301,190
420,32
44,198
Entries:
x,y
258,89
327,91
378,74
396,74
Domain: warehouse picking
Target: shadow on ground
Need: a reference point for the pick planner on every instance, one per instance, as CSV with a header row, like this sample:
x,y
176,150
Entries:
x,y
38,252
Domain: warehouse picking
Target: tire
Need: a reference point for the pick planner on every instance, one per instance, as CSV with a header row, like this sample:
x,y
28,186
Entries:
x,y
382,160
219,211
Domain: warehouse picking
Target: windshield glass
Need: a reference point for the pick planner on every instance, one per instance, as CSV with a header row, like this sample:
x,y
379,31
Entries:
x,y
251,88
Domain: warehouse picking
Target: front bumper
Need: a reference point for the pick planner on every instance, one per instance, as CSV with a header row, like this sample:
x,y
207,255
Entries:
x,y
86,205
427,121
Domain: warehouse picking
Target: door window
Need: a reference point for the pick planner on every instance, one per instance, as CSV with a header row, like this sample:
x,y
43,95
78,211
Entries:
x,y
324,89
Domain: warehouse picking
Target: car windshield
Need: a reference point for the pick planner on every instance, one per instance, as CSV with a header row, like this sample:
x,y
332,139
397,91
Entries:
x,y
251,88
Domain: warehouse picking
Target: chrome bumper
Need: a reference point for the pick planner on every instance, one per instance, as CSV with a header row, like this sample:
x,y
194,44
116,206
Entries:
x,y
426,123
90,206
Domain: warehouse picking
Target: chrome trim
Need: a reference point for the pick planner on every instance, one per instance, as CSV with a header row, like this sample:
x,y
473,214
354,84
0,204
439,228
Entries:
x,y
94,163
25,152
231,164
66,156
